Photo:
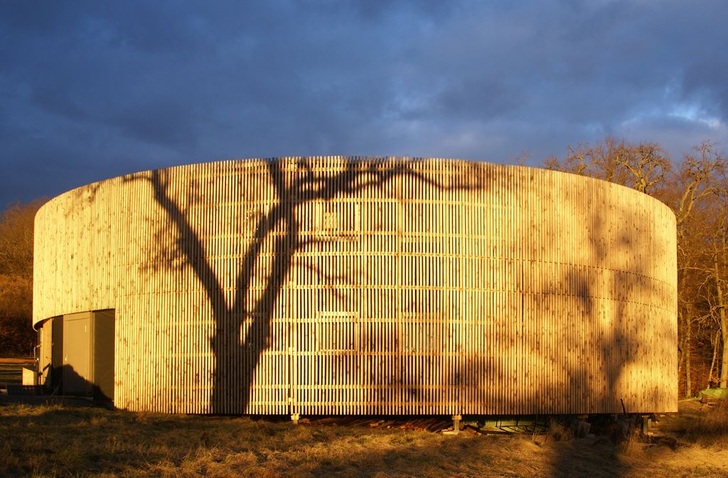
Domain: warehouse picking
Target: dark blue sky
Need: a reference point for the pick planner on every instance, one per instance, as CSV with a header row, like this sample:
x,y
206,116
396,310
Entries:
x,y
91,90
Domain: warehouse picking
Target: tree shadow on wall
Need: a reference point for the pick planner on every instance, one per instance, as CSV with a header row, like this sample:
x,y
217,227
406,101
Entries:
x,y
233,346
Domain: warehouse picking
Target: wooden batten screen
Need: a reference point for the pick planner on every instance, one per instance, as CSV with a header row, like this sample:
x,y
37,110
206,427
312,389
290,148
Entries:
x,y
346,285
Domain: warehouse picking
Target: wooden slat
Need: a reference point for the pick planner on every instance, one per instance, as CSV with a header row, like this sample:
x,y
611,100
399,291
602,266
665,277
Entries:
x,y
414,287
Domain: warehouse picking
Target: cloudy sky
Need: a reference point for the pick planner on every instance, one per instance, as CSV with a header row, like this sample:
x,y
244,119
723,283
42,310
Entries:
x,y
91,90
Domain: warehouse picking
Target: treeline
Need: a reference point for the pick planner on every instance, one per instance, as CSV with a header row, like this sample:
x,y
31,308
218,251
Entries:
x,y
695,186
17,337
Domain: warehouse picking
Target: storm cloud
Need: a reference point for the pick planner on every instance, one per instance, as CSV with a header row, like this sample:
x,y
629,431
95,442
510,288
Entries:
x,y
91,90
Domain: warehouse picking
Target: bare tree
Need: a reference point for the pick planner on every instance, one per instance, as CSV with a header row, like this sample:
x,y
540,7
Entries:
x,y
697,192
699,199
641,166
17,337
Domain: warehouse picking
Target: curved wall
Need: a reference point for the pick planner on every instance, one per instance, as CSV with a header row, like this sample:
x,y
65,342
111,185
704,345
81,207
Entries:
x,y
332,285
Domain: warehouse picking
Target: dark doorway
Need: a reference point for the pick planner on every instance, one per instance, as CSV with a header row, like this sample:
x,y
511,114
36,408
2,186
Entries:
x,y
87,368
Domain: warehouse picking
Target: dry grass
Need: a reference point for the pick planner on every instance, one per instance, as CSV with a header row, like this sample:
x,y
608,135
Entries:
x,y
57,441
702,424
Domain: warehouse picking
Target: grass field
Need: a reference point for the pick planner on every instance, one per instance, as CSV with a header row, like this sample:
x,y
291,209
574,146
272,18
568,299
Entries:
x,y
63,441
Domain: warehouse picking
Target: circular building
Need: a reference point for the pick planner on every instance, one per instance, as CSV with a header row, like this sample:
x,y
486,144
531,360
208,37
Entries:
x,y
347,285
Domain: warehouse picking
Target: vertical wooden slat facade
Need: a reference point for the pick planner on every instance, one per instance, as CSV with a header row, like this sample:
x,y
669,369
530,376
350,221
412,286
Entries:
x,y
346,285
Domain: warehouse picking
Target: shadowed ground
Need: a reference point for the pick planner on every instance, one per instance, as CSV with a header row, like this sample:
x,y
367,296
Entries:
x,y
56,441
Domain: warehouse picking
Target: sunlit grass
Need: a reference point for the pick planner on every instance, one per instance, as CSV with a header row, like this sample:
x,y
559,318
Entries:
x,y
58,441
704,425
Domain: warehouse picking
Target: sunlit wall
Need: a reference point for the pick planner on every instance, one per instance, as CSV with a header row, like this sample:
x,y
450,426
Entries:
x,y
333,285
